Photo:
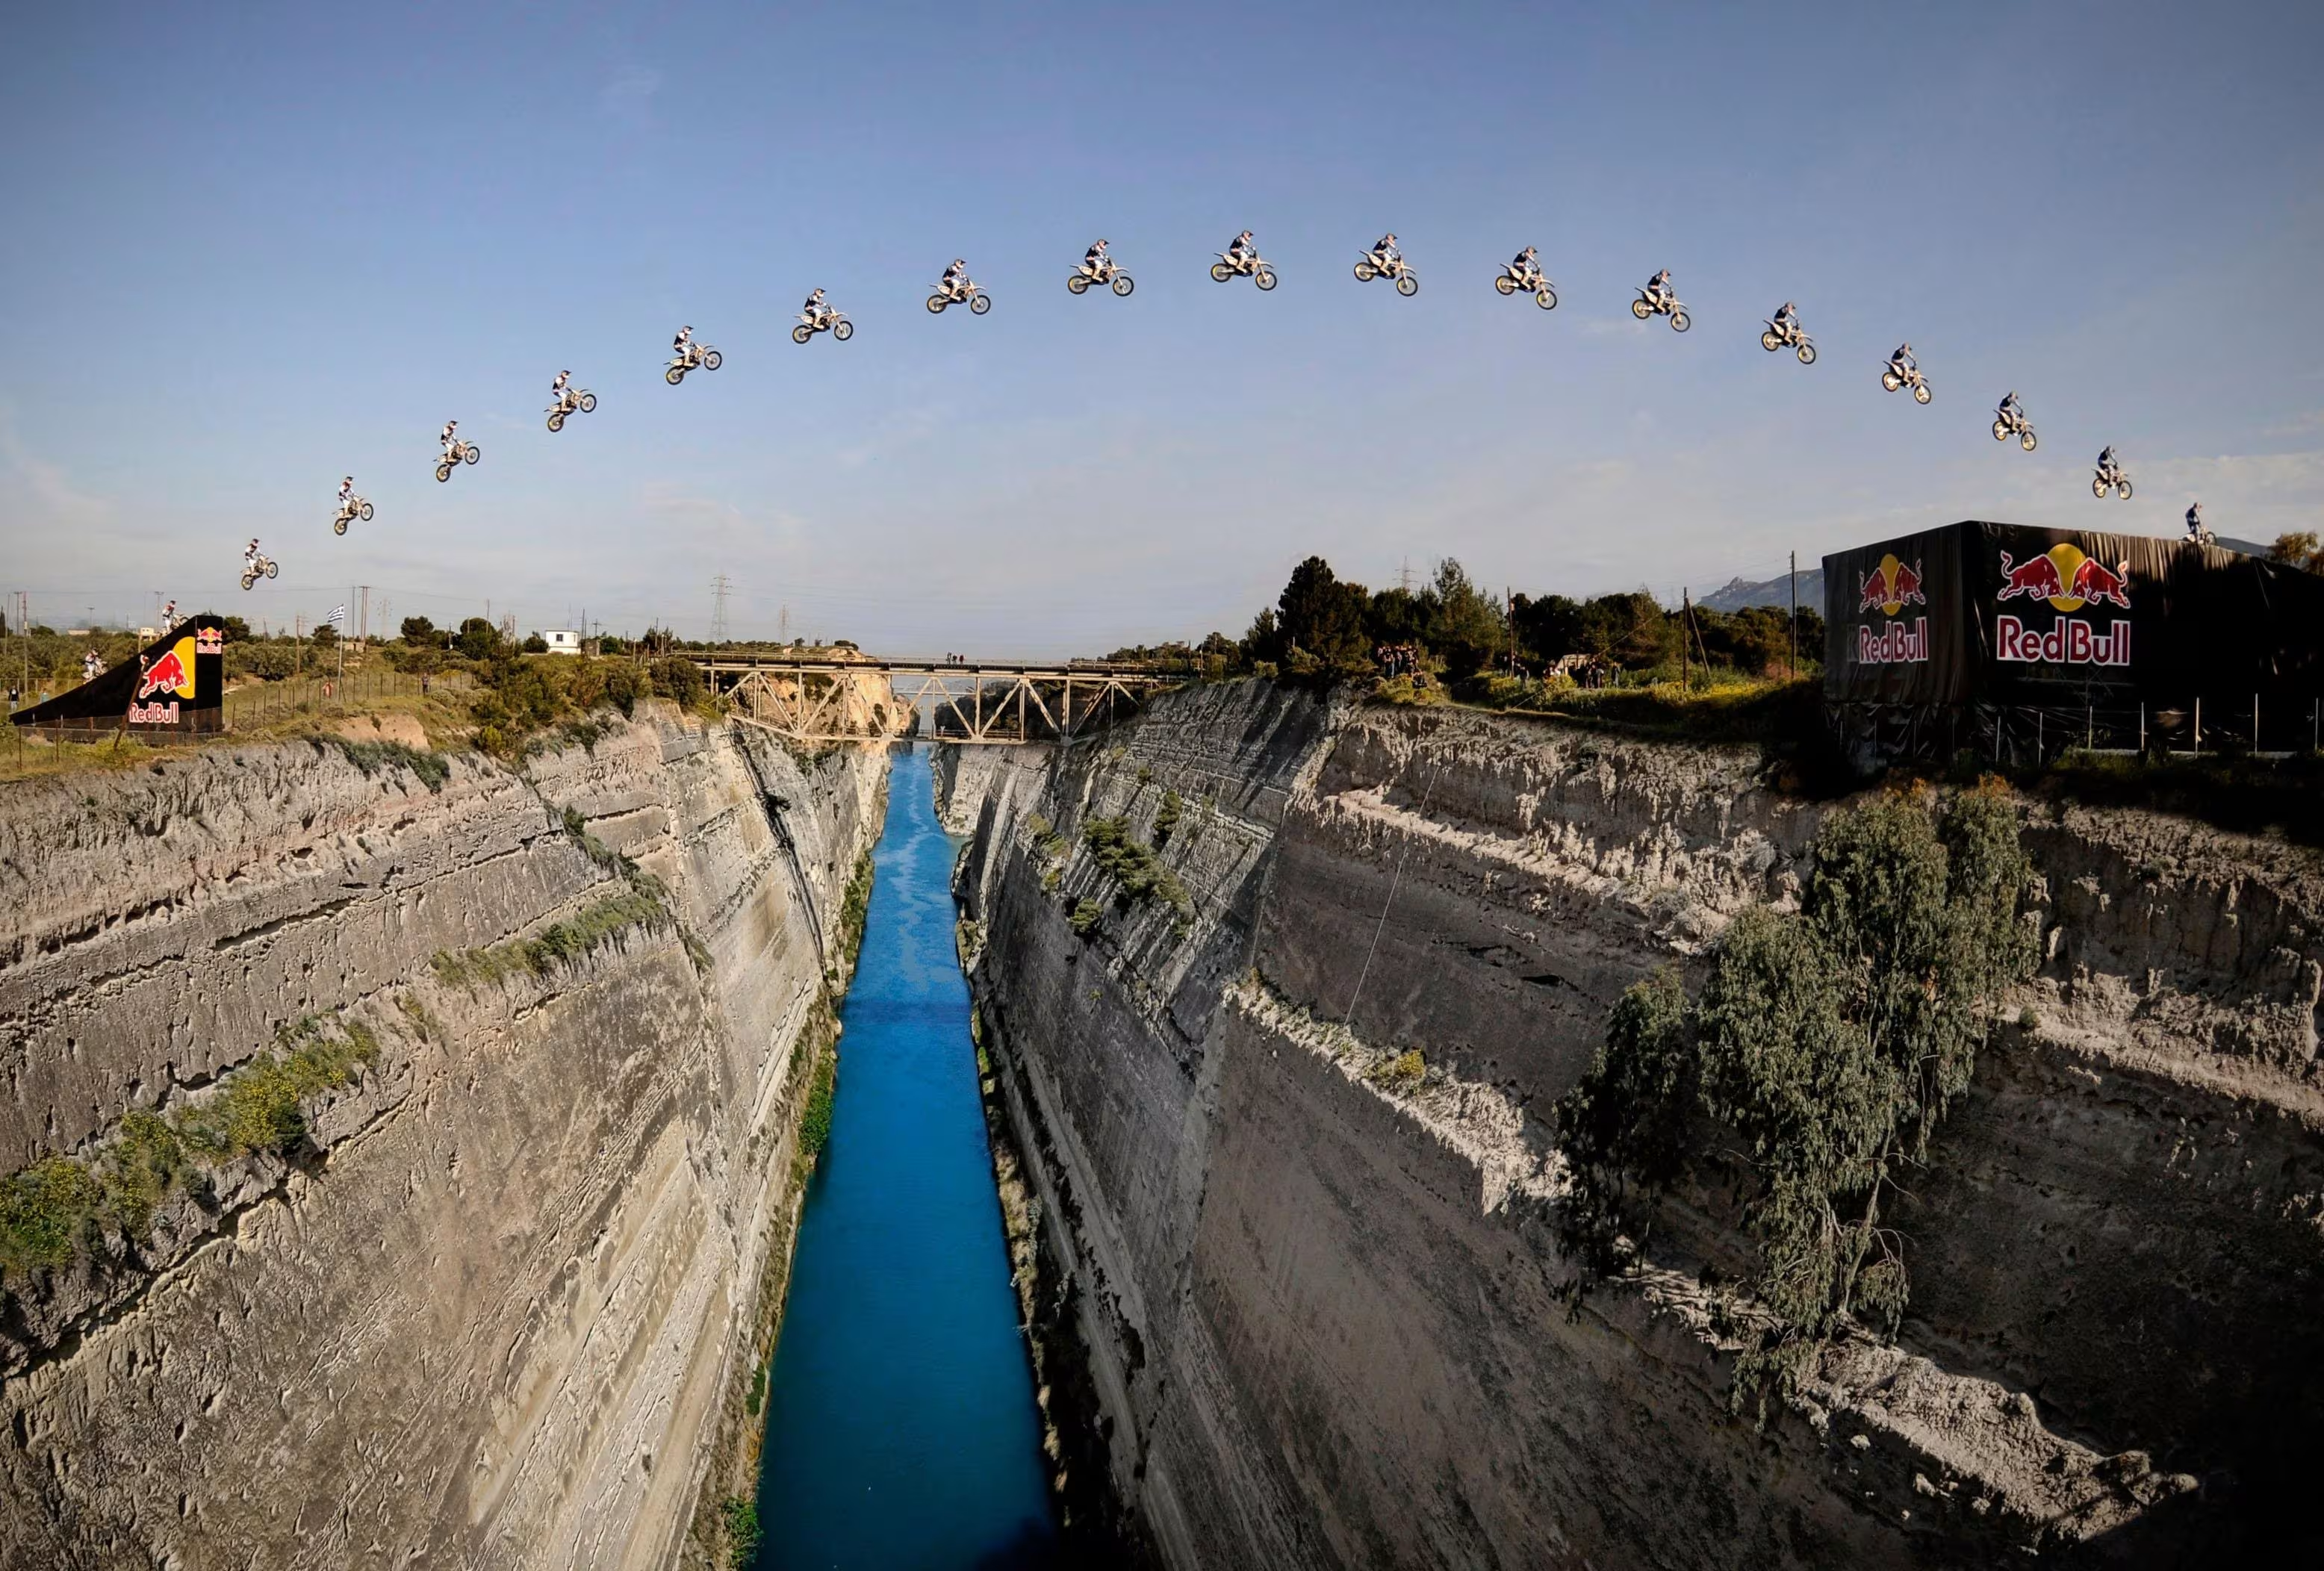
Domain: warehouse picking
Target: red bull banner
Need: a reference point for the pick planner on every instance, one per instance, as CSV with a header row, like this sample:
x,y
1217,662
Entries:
x,y
1989,613
176,683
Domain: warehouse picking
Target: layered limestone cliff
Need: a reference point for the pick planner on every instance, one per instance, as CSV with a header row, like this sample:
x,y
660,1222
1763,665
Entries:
x,y
491,1302
1301,1299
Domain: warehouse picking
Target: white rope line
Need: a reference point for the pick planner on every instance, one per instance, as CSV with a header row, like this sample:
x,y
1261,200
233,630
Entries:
x,y
1347,1018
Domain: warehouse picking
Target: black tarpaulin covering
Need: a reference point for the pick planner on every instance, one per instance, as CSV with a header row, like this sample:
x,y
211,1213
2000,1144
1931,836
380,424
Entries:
x,y
175,683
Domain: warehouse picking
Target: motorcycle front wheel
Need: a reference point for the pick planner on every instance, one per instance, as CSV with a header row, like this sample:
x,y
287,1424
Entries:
x,y
2026,442
1807,355
1220,272
364,512
802,333
272,568
1263,278
471,452
557,422
2125,489
1641,310
588,403
1122,285
443,472
936,304
1681,321
1770,343
1407,285
1921,392
338,526
978,304
1546,298
674,375
1506,284
843,331
1078,284
711,360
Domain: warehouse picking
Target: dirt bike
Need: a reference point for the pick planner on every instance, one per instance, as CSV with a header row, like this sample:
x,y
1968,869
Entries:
x,y
2111,477
1789,335
579,401
354,508
2006,425
1369,267
461,453
1228,267
1111,276
1647,306
824,321
1510,281
697,357
979,302
256,568
1892,379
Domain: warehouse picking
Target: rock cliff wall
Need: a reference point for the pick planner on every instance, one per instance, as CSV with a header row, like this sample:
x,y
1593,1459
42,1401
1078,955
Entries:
x,y
495,1305
1304,1312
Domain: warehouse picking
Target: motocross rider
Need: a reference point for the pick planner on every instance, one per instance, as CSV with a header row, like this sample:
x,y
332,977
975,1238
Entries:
x,y
2195,521
1527,266
1240,252
559,393
347,497
1901,364
1385,255
1658,288
2009,409
955,279
681,349
1096,261
2105,459
450,437
250,558
816,310
1787,319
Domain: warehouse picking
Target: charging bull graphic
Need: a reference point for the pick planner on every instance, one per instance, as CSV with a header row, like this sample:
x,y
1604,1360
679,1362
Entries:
x,y
2068,579
168,680
1890,587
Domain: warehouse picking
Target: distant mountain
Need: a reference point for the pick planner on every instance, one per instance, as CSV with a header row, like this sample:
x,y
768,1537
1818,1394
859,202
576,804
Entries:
x,y
1741,592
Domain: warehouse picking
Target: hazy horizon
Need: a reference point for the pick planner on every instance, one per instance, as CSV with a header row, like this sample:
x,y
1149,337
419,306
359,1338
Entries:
x,y
256,251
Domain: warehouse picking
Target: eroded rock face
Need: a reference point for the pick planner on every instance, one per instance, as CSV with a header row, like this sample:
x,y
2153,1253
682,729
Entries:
x,y
1313,1304
491,1311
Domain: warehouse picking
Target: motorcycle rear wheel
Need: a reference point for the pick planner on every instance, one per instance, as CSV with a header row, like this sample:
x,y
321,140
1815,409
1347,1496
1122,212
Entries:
x,y
557,422
802,333
936,304
1263,278
674,375
2001,430
1891,380
2098,489
1123,284
1364,272
1807,355
588,403
2026,442
711,360
1407,285
978,304
1641,310
1220,272
364,512
1770,343
1920,394
443,472
1506,284
2125,489
1681,321
843,331
1546,298
1078,284
338,526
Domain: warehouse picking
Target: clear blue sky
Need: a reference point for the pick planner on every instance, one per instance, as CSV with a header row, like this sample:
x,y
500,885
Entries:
x,y
249,248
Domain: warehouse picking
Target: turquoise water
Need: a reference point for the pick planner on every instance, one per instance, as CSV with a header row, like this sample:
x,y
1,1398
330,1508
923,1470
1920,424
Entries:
x,y
900,1426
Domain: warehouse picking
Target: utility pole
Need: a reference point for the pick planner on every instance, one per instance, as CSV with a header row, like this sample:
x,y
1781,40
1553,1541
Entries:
x,y
718,588
1509,616
1796,616
363,616
1404,576
1686,622
299,639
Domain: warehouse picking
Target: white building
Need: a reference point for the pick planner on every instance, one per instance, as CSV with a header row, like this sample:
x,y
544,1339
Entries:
x,y
562,640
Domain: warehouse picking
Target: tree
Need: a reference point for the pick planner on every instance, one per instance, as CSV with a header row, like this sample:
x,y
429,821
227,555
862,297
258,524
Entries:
x,y
478,639
419,629
1319,615
534,644
1548,629
324,635
2300,550
1470,631
235,629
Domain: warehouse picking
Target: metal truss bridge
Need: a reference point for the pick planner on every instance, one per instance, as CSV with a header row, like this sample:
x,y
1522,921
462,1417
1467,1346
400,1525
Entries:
x,y
816,699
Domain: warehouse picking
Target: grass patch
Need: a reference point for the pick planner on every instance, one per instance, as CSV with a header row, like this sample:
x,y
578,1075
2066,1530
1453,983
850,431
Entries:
x,y
559,944
854,909
1400,1076
57,1208
741,1517
815,1122
372,758
1134,866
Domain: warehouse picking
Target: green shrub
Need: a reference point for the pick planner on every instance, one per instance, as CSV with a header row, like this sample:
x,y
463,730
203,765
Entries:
x,y
855,908
741,1519
48,1211
814,1121
558,943
1401,1075
371,758
1085,918
1166,817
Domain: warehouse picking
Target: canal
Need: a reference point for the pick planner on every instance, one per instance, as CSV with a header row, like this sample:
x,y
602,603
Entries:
x,y
901,1431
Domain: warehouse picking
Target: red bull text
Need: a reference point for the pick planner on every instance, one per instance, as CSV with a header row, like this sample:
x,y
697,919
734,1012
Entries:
x,y
1893,643
2068,641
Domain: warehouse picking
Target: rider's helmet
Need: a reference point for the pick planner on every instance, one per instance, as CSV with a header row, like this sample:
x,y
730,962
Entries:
x,y
1244,236
1102,245
960,261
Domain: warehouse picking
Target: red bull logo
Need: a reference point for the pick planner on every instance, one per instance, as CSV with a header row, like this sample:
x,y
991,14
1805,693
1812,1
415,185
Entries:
x,y
171,676
2067,578
1890,587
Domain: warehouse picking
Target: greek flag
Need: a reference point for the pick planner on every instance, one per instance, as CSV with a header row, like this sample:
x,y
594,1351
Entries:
x,y
338,614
